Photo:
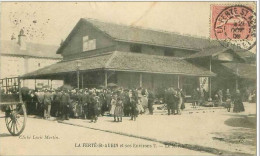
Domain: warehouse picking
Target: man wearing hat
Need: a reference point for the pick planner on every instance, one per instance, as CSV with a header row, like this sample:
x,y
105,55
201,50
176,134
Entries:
x,y
65,98
150,101
40,98
93,106
55,108
85,101
126,102
47,103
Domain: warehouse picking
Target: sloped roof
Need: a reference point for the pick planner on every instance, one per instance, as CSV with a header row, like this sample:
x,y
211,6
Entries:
x,y
124,61
140,35
213,50
243,70
246,54
210,51
125,33
32,49
149,36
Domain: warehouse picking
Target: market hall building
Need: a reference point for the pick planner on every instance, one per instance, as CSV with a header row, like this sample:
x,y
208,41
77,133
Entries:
x,y
98,53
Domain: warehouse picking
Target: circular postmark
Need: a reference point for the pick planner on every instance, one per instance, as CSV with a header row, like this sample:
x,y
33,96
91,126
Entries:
x,y
235,27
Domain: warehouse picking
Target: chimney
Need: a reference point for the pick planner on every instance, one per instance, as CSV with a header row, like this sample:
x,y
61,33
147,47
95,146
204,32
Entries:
x,y
21,40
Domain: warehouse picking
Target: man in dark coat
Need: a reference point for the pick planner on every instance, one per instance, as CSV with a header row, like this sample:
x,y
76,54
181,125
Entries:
x,y
133,103
56,108
93,106
238,103
102,100
78,102
65,99
108,99
170,100
34,101
85,102
126,103
182,99
40,97
195,97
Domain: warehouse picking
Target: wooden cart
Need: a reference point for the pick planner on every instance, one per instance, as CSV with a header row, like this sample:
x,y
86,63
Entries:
x,y
14,109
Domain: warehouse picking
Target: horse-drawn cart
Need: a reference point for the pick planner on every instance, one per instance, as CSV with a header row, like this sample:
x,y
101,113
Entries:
x,y
14,109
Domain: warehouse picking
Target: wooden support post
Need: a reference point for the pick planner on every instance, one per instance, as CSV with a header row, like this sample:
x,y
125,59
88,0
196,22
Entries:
x,y
82,81
51,83
15,84
141,80
105,79
210,99
236,77
20,92
6,85
236,83
178,81
152,77
35,84
78,79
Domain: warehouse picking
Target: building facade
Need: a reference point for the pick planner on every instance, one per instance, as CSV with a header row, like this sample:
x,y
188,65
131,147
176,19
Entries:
x,y
21,57
98,53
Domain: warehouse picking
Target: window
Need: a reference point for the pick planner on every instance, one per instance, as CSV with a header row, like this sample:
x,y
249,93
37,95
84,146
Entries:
x,y
88,44
135,48
169,52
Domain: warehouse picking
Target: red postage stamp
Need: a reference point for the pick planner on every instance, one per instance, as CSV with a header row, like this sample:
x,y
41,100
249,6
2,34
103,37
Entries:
x,y
233,26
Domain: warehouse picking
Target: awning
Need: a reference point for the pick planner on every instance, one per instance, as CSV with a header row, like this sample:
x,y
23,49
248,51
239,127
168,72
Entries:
x,y
242,70
124,61
210,51
215,50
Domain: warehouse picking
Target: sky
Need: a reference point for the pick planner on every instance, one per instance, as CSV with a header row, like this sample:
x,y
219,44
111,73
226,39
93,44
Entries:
x,y
51,22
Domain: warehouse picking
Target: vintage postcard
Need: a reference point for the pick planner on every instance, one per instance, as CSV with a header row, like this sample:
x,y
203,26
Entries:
x,y
128,78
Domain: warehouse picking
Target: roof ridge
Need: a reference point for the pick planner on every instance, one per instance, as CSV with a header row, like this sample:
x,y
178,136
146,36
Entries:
x,y
3,40
151,29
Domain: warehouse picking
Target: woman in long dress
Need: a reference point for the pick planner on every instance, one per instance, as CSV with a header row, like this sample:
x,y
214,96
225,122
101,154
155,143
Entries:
x,y
140,106
118,114
113,104
144,100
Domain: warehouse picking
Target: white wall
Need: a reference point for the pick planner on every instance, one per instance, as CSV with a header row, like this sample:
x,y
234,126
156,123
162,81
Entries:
x,y
30,83
12,66
37,63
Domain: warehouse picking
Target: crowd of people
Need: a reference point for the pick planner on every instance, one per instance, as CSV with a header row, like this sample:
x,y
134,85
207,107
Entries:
x,y
90,103
174,98
118,102
200,97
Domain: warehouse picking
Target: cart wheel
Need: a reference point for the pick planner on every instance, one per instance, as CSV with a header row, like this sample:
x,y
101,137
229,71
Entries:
x,y
15,118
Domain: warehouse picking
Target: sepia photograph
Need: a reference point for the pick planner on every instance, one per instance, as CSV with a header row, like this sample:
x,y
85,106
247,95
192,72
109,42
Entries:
x,y
129,78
